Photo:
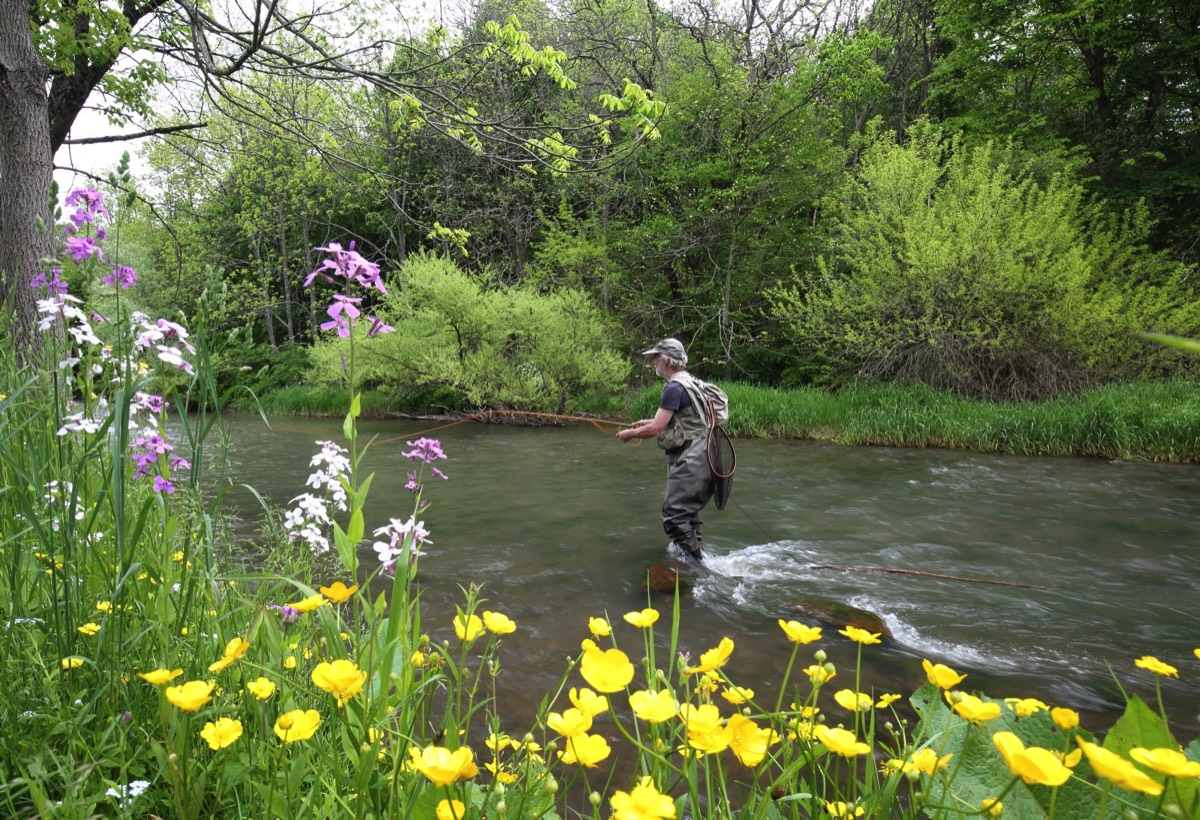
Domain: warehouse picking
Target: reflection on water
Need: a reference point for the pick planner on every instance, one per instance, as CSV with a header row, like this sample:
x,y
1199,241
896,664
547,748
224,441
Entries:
x,y
558,525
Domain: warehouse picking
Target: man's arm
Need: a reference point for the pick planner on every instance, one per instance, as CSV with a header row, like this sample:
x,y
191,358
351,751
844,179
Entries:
x,y
647,428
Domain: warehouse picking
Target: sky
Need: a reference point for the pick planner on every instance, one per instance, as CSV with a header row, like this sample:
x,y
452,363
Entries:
x,y
93,159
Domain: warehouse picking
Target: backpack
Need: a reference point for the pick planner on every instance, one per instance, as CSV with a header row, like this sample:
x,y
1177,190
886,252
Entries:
x,y
710,401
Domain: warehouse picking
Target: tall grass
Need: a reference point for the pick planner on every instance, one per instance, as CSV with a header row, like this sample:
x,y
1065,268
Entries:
x,y
1153,421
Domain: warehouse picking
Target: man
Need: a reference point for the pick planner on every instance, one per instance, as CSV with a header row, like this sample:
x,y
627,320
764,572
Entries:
x,y
682,432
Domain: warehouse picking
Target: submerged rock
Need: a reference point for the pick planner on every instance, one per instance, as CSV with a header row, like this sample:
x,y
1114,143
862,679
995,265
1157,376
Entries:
x,y
664,577
838,613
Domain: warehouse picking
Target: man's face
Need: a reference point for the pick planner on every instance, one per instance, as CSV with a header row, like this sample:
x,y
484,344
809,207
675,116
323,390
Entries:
x,y
660,367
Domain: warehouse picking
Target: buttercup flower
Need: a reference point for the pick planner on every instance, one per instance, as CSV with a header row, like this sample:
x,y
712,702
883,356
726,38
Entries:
x,y
886,700
586,750
341,678
642,620
843,811
820,674
1171,762
860,635
1024,707
644,802
972,708
601,628
339,593
221,733
189,697
234,650
1033,764
71,663
297,724
706,730
854,701
840,741
992,807
498,623
1156,666
1120,771
570,723
89,629
713,659
160,676
451,810
310,603
799,633
654,707
468,627
1065,719
605,671
261,688
443,766
942,676
738,695
748,741
926,761
585,700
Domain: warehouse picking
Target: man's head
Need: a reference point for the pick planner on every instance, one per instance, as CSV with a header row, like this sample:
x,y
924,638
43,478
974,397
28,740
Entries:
x,y
669,353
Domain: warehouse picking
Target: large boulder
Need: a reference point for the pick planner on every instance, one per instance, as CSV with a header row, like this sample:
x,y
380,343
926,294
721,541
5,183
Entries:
x,y
830,612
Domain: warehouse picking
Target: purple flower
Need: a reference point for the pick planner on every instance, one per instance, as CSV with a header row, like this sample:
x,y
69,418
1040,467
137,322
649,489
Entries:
x,y
89,207
82,247
342,313
163,485
54,285
350,265
287,614
122,276
425,450
377,327
413,486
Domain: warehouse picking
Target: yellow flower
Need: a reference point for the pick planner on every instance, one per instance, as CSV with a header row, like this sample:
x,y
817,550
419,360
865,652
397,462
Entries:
x,y
338,592
468,627
451,810
942,676
1033,765
799,633
1024,707
289,662
820,674
599,627
177,556
104,606
642,620
72,663
654,707
222,733
586,700
991,807
860,635
926,761
1156,666
89,629
1120,771
341,678
498,623
1065,719
748,741
886,700
586,750
443,766
570,723
713,659
160,676
234,650
190,696
972,708
738,695
706,731
309,604
645,802
418,659
297,724
840,741
500,773
605,671
261,688
854,701
843,811
1171,762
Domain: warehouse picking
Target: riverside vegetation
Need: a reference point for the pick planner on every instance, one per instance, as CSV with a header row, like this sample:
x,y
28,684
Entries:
x,y
145,673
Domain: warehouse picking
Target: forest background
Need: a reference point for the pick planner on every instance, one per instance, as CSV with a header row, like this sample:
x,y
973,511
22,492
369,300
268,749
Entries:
x,y
991,199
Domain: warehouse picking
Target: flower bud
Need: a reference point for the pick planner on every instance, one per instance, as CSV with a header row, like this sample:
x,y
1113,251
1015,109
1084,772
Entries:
x,y
820,655
595,799
501,807
551,785
1172,810
364,749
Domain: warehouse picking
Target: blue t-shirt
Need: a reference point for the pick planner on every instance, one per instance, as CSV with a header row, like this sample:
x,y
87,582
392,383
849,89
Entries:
x,y
675,397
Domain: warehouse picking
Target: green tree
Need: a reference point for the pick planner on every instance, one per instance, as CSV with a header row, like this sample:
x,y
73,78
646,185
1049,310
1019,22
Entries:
x,y
961,268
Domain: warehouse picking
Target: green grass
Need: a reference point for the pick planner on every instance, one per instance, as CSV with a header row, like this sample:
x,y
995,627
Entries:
x,y
1154,421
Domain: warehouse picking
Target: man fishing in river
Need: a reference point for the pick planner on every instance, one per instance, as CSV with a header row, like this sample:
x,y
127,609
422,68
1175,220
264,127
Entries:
x,y
682,433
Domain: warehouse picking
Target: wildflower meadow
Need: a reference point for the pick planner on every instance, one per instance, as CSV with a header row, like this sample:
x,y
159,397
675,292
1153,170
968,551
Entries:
x,y
147,671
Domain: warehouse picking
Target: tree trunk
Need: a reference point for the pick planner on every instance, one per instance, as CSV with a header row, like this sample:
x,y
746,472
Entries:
x,y
25,173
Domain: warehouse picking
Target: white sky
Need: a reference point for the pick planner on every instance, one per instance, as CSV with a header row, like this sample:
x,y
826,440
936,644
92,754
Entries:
x,y
93,159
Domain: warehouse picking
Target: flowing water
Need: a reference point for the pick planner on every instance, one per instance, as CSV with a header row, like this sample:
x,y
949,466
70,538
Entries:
x,y
559,524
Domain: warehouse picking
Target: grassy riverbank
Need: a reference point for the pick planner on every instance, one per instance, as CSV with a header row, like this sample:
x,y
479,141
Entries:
x,y
1153,421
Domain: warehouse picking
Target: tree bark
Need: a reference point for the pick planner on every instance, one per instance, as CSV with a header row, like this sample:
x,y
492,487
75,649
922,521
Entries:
x,y
26,171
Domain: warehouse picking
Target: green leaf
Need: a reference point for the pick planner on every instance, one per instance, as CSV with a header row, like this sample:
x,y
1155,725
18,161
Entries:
x,y
355,531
